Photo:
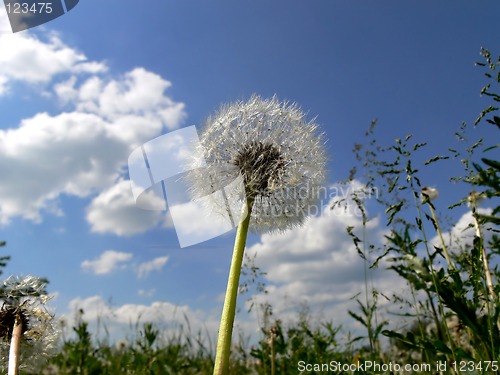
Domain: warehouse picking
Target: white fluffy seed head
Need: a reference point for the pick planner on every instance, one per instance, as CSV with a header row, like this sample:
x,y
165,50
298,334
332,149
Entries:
x,y
277,152
24,297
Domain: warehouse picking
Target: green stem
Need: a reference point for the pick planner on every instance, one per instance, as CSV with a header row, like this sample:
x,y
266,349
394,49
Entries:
x,y
438,230
229,310
273,354
489,280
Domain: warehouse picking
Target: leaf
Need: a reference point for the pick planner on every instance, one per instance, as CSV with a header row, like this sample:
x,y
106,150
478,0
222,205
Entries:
x,y
484,113
379,327
419,223
495,121
393,210
492,163
409,339
358,318
436,158
489,219
375,264
418,145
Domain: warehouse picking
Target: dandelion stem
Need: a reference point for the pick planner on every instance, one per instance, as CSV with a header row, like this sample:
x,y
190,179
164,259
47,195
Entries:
x,y
15,342
229,310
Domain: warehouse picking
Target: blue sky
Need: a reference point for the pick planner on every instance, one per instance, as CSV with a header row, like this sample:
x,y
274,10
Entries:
x,y
78,94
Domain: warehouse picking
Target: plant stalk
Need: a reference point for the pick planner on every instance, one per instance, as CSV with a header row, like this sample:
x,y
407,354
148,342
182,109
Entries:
x,y
15,343
486,266
273,352
228,312
443,245
489,280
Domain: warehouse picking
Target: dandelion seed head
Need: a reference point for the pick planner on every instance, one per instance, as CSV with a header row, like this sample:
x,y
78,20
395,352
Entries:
x,y
25,298
277,152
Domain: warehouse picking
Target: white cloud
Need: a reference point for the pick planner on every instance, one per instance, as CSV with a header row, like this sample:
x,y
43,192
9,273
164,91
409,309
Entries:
x,y
163,314
4,24
146,268
94,307
26,58
111,260
137,94
114,211
47,156
84,150
107,262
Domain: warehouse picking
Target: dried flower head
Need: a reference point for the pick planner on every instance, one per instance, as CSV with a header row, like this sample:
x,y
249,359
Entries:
x,y
278,154
475,198
429,193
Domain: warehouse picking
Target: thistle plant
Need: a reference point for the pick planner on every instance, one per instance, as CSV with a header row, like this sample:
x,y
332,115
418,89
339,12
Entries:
x,y
280,159
26,328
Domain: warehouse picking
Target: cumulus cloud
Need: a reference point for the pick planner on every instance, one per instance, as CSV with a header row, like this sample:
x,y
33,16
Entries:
x,y
114,211
107,262
82,151
26,58
111,260
164,314
146,268
137,94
